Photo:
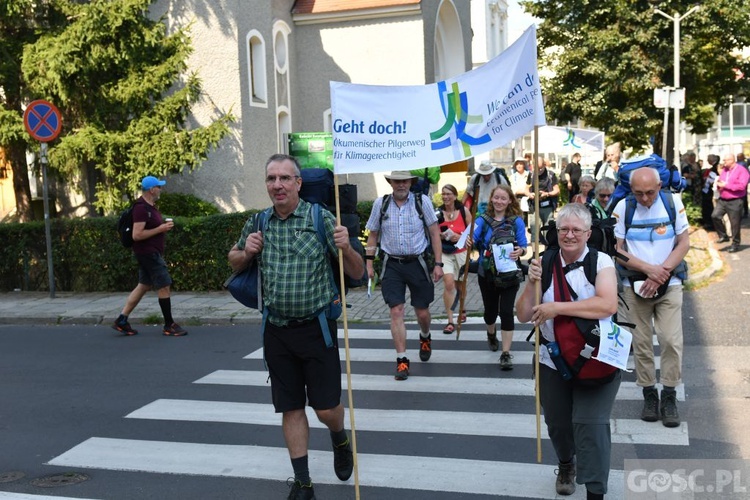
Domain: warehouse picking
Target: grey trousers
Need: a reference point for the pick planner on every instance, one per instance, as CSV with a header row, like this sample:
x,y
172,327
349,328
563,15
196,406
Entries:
x,y
733,208
577,421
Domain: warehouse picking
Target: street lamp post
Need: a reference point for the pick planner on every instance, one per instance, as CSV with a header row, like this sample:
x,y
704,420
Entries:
x,y
676,18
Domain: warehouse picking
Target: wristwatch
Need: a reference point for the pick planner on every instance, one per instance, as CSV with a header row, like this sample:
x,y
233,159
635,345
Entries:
x,y
439,264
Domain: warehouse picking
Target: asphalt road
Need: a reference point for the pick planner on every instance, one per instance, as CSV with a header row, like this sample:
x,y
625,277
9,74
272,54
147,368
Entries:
x,y
70,388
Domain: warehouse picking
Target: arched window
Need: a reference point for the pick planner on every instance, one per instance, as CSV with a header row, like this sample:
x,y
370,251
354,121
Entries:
x,y
449,55
256,67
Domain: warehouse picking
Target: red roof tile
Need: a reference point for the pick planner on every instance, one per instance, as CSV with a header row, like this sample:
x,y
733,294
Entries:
x,y
324,6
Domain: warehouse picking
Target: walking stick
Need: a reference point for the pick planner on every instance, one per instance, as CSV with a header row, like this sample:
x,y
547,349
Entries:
x,y
346,346
538,297
465,278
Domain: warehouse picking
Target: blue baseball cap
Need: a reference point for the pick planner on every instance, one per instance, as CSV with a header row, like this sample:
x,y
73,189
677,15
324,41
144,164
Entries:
x,y
150,181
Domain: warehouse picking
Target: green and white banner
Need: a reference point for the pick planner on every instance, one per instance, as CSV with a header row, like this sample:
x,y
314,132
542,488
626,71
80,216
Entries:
x,y
381,128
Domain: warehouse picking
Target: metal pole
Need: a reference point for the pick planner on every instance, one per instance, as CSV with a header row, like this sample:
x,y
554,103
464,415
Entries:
x,y
676,20
731,122
47,223
666,129
676,160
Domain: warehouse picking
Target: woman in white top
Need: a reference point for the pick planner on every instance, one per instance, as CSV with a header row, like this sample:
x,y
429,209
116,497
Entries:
x,y
577,415
518,178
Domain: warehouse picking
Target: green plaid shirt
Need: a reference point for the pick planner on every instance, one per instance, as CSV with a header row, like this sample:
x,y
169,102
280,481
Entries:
x,y
294,266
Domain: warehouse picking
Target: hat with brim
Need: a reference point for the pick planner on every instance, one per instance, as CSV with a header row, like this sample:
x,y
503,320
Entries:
x,y
485,168
150,181
519,160
401,175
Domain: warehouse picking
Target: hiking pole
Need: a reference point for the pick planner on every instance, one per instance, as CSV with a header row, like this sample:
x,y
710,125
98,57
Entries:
x,y
538,296
473,211
342,288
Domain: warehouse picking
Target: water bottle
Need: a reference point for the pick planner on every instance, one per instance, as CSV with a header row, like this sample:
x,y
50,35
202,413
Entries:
x,y
562,368
487,262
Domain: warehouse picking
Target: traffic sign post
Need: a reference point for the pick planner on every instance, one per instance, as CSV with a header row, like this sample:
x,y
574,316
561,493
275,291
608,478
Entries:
x,y
668,97
43,122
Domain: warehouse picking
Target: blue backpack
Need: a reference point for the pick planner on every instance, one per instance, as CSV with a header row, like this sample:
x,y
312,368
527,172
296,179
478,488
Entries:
x,y
671,178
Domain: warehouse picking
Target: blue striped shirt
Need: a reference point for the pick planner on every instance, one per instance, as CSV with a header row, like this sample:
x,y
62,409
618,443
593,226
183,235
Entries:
x,y
402,232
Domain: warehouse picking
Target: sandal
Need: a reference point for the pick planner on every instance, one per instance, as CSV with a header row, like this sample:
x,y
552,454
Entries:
x,y
463,316
450,328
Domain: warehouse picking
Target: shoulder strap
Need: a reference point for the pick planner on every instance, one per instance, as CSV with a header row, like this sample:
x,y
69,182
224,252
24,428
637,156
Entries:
x,y
420,211
589,265
462,210
668,200
500,174
384,208
320,229
548,258
629,210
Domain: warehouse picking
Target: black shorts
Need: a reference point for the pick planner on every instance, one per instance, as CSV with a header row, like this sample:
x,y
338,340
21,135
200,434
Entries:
x,y
301,367
399,275
152,270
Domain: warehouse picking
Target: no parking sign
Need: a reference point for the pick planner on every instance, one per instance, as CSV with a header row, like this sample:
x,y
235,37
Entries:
x,y
42,120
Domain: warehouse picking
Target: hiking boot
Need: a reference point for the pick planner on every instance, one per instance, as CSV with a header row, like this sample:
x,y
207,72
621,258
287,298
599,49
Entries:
x,y
566,478
174,330
492,341
124,328
425,348
650,411
300,491
343,461
669,415
505,361
402,368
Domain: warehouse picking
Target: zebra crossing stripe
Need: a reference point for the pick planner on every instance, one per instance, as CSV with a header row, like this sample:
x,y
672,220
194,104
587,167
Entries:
x,y
468,335
5,495
454,475
440,355
626,431
497,386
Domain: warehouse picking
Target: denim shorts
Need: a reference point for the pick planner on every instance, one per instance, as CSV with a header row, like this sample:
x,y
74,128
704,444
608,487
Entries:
x,y
152,270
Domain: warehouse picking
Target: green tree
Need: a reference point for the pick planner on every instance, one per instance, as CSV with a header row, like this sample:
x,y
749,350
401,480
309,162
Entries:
x,y
121,83
21,23
607,57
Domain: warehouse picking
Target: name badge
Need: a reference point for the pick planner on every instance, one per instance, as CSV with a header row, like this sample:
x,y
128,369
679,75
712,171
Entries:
x,y
544,203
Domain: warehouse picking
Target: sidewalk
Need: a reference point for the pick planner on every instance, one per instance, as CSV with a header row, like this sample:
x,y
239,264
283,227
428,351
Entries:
x,y
219,308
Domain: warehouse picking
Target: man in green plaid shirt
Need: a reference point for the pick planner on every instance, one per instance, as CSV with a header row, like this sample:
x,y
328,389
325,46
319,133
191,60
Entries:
x,y
296,287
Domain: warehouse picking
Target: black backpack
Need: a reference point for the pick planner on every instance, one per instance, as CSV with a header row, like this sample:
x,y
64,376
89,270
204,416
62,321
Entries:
x,y
602,234
125,225
503,232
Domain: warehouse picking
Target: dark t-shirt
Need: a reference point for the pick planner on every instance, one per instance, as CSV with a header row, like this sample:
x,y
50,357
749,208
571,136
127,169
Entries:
x,y
143,212
574,171
547,181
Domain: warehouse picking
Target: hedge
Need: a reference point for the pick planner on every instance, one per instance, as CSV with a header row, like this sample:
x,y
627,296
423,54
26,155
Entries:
x,y
88,256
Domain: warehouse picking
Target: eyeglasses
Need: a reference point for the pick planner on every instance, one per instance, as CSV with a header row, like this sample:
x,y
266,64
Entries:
x,y
575,230
284,179
604,196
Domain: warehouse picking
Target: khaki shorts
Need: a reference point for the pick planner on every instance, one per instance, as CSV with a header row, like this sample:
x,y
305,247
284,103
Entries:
x,y
453,263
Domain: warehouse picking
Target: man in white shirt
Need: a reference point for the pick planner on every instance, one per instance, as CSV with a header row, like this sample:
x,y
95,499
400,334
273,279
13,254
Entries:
x,y
655,244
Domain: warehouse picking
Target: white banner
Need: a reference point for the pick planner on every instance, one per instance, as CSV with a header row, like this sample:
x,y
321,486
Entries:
x,y
381,128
